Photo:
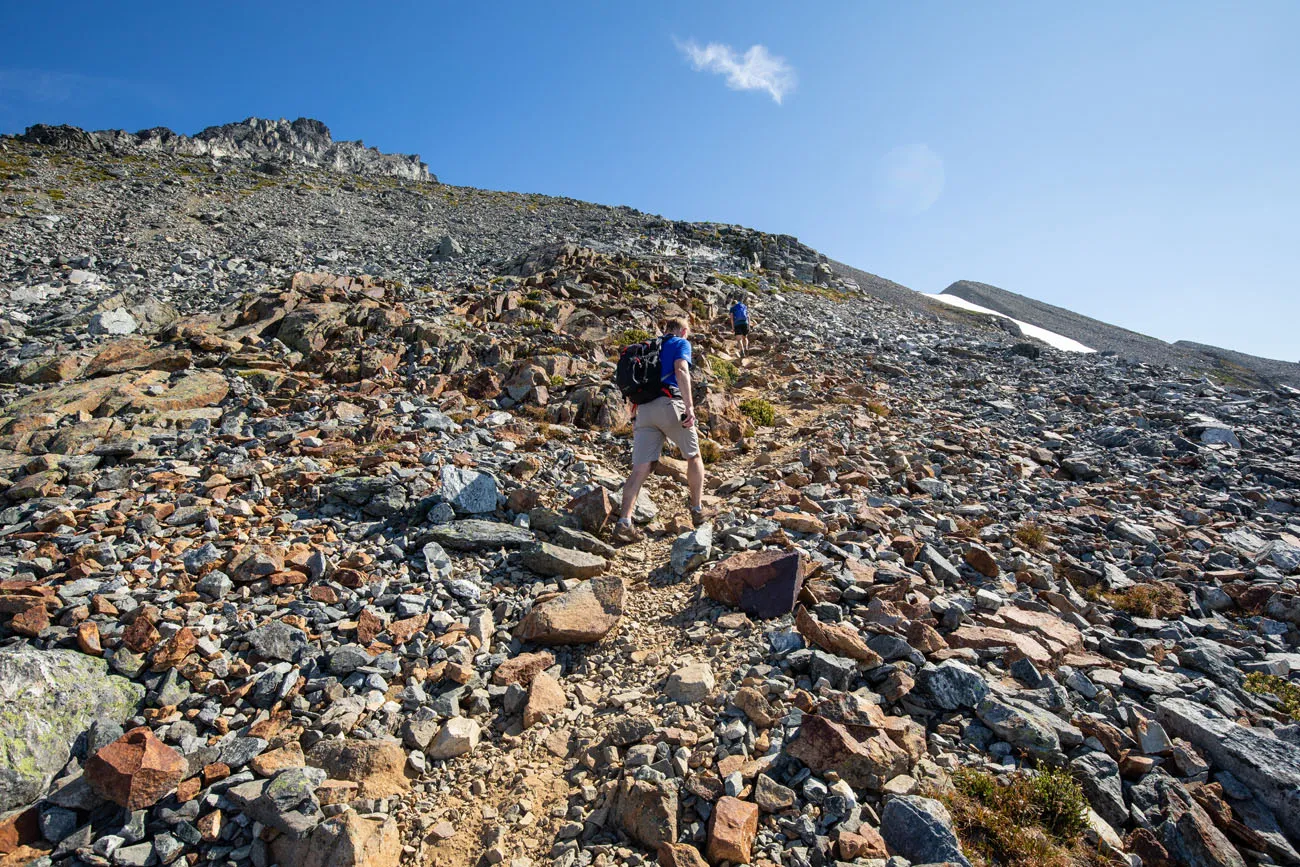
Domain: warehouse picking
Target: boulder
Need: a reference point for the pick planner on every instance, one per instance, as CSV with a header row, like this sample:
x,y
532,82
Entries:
x,y
1269,766
117,321
469,491
345,840
733,825
838,639
582,615
690,684
545,699
953,685
763,584
646,812
458,735
552,560
48,698
920,829
136,770
824,745
376,766
475,534
691,550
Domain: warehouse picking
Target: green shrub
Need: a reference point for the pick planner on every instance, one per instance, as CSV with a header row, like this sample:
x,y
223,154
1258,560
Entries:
x,y
628,336
759,411
726,372
1150,600
1287,693
1032,536
557,381
1030,821
710,452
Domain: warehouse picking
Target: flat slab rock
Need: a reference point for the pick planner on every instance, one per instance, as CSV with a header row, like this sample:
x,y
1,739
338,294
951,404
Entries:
x,y
475,534
1269,766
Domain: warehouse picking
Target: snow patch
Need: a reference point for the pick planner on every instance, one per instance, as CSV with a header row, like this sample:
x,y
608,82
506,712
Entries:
x,y
1051,338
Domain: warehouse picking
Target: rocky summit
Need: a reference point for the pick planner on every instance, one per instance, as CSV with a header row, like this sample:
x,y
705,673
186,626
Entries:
x,y
308,466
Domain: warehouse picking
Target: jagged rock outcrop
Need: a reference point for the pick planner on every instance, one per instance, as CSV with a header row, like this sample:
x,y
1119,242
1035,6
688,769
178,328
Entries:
x,y
304,142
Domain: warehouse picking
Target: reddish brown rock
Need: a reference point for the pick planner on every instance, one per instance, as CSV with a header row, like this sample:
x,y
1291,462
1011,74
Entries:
x,y
345,840
136,770
823,745
19,829
756,707
799,522
401,631
523,668
545,699
288,756
376,766
680,855
88,638
368,627
141,635
732,828
582,615
174,650
865,843
763,584
984,637
841,640
593,509
982,561
31,621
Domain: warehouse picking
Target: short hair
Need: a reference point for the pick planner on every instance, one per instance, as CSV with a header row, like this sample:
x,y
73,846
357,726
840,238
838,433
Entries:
x,y
677,323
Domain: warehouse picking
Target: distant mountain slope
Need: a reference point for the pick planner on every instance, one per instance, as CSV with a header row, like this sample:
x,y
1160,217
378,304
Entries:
x,y
1228,365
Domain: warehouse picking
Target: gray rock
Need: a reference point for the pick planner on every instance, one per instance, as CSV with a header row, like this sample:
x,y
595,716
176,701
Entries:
x,y
48,698
1020,727
1098,774
920,829
552,560
277,640
690,684
469,491
474,534
113,322
691,550
953,685
1268,765
436,561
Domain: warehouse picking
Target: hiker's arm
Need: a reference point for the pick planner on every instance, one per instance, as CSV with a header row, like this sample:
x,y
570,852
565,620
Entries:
x,y
683,371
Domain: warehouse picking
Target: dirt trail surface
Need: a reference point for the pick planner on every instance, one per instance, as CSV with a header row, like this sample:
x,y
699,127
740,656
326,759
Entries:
x,y
306,488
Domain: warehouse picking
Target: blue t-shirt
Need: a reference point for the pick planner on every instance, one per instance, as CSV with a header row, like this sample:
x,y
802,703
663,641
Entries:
x,y
740,313
674,348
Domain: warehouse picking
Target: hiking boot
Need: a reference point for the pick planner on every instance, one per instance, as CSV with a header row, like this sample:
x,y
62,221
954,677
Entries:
x,y
698,517
625,533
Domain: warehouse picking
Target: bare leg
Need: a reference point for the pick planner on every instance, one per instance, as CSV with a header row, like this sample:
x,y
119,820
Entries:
x,y
632,487
695,480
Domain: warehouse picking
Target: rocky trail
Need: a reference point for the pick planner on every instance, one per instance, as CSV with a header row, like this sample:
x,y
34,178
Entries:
x,y
307,473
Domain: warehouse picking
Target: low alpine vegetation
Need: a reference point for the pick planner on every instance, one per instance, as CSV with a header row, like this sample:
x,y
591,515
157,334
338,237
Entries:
x,y
1286,692
760,412
1024,820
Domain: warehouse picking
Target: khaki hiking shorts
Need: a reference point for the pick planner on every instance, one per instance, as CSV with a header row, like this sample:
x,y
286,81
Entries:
x,y
656,421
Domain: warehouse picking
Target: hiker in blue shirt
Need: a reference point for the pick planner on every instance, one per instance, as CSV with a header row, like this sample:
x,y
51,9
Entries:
x,y
670,417
740,324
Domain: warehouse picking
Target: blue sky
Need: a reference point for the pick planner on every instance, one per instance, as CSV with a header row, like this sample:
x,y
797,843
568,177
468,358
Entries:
x,y
1136,162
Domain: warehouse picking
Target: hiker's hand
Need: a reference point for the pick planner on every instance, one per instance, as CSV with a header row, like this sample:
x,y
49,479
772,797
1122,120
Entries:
x,y
689,420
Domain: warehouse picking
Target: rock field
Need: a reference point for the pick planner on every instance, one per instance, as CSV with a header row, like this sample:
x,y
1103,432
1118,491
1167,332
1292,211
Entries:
x,y
307,471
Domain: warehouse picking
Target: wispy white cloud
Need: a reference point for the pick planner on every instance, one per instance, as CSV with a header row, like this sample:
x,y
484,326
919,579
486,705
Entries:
x,y
756,69
909,179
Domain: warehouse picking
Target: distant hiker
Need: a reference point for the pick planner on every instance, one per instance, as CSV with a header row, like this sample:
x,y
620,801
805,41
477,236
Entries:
x,y
655,377
740,323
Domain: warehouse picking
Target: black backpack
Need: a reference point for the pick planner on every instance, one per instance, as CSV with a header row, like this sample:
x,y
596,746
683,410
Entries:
x,y
638,375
